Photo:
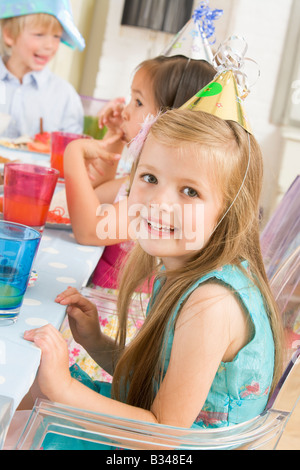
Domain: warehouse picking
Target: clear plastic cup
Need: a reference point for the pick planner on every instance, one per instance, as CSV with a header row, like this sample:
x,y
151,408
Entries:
x,y
18,247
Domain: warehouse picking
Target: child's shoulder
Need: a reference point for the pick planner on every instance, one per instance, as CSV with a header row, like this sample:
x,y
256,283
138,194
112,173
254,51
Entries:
x,y
230,275
216,312
225,284
208,296
229,289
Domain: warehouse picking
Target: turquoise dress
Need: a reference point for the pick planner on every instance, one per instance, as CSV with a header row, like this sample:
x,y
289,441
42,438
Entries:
x,y
240,389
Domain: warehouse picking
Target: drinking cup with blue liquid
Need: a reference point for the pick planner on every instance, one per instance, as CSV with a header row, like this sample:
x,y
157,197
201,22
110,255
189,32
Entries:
x,y
18,247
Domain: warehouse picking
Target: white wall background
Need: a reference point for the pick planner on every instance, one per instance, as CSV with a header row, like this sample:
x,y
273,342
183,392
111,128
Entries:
x,y
123,49
264,24
69,63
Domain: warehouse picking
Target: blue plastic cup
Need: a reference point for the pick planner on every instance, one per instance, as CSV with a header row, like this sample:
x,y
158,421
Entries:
x,y
18,247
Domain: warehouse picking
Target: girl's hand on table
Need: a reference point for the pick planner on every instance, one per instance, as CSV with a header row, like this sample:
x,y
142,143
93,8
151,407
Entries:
x,y
53,372
83,318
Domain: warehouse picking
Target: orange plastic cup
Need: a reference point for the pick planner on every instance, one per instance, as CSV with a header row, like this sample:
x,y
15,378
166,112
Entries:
x,y
59,142
28,191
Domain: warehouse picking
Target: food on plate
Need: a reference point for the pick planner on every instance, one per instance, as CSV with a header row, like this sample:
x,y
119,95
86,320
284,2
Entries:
x,y
38,147
57,216
9,144
58,211
40,143
18,143
43,137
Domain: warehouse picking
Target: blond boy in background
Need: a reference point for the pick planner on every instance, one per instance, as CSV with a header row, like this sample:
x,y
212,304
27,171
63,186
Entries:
x,y
31,32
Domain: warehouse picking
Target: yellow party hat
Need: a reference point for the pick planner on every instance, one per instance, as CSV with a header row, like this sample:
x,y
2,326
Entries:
x,y
223,97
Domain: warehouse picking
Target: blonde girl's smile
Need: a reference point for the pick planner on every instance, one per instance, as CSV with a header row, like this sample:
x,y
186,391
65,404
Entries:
x,y
159,229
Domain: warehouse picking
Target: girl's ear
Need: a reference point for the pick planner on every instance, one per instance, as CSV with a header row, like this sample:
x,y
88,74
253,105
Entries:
x,y
7,37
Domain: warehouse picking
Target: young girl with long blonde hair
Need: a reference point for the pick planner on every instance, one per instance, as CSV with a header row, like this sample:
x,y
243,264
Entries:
x,y
158,84
208,353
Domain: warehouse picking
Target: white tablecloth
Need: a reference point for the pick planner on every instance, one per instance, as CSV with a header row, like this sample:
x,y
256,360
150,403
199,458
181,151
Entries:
x,y
25,156
60,263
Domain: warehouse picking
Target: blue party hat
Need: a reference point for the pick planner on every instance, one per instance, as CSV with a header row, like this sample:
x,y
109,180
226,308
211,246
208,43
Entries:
x,y
195,39
61,9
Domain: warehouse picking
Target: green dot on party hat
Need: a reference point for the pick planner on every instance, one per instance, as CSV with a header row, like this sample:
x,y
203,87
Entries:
x,y
210,90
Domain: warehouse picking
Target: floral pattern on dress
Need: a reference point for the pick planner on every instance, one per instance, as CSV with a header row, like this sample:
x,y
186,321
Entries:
x,y
253,389
211,419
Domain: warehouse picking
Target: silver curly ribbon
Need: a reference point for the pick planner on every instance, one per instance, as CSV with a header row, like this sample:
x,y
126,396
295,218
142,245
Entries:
x,y
231,56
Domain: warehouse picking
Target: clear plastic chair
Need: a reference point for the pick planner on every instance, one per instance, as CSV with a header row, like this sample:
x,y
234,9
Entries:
x,y
263,432
281,235
6,406
286,288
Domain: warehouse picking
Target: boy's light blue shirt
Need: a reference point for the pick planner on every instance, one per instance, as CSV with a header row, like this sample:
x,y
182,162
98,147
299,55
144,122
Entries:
x,y
41,95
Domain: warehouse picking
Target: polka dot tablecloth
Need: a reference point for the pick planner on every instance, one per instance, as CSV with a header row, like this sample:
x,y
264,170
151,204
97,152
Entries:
x,y
60,263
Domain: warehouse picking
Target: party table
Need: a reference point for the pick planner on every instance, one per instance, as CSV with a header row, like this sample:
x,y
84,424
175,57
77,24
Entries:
x,y
60,262
25,156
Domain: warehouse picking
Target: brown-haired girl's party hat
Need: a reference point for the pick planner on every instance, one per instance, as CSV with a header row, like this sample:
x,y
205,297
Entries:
x,y
195,39
223,97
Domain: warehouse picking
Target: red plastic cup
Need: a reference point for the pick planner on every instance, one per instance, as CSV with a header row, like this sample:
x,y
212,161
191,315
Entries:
x,y
59,142
28,191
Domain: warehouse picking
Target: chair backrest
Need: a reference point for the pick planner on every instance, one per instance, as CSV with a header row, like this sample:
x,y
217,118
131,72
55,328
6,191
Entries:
x,y
285,285
6,407
280,246
286,288
282,233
